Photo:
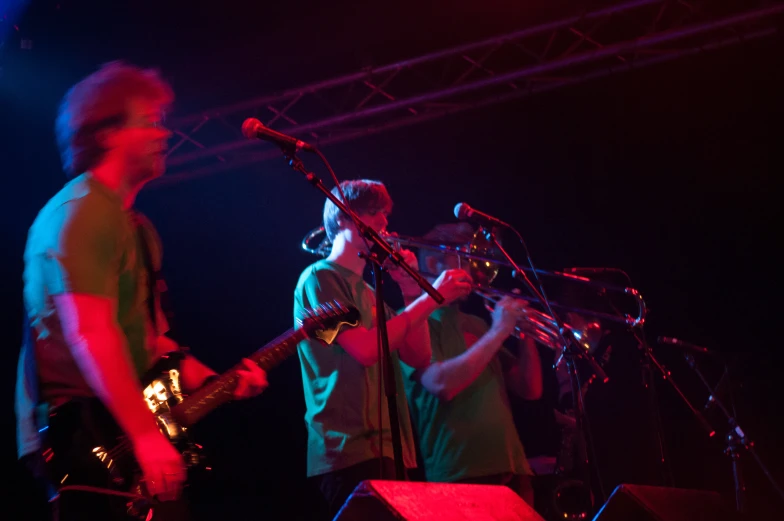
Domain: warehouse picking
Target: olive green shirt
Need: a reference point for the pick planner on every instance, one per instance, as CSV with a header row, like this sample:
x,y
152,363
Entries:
x,y
473,434
341,395
84,242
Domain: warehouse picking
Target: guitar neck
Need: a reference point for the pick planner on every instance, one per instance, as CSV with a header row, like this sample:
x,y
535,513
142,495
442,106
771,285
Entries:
x,y
220,390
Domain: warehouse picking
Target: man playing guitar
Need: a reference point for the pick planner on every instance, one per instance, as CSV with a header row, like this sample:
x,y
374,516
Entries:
x,y
94,322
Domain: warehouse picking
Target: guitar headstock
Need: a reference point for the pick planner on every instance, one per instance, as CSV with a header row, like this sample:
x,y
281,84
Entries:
x,y
326,321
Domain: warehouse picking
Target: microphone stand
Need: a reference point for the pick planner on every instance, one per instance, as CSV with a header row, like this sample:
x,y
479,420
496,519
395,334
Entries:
x,y
379,252
736,440
646,362
571,351
649,361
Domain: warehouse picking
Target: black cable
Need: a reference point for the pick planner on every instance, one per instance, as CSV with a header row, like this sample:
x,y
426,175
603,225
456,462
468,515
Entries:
x,y
334,177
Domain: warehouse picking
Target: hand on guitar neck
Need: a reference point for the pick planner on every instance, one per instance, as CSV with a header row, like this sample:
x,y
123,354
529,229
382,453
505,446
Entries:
x,y
252,381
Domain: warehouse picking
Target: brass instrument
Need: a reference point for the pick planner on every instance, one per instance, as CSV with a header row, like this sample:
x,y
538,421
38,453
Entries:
x,y
481,262
543,328
324,245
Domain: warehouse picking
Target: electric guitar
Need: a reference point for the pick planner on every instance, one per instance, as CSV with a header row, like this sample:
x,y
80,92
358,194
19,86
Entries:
x,y
86,451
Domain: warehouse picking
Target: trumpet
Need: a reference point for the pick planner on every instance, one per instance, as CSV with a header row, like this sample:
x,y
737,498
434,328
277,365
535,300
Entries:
x,y
543,328
478,257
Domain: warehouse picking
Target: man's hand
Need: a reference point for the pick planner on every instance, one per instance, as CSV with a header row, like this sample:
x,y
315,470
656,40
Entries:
x,y
162,466
453,285
408,286
251,381
507,314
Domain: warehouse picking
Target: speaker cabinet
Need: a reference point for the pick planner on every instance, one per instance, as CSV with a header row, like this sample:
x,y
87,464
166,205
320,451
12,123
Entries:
x,y
379,500
647,503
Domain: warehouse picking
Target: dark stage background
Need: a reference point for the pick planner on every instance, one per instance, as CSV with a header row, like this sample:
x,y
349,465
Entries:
x,y
670,173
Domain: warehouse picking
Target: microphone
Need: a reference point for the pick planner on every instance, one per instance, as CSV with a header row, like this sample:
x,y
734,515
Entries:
x,y
252,128
685,345
463,212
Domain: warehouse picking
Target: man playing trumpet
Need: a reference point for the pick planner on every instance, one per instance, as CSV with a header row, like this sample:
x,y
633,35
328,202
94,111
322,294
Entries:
x,y
459,402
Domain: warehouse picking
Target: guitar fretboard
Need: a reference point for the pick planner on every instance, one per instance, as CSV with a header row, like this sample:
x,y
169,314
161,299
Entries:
x,y
221,390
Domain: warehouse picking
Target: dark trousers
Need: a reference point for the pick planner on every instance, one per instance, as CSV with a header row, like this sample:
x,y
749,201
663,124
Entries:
x,y
520,484
337,486
87,505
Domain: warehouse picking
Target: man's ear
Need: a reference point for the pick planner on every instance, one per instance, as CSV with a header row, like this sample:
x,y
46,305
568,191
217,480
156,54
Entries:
x,y
107,137
344,222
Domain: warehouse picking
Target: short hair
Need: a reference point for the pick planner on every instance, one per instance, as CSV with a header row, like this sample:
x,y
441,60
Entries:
x,y
448,234
362,196
98,102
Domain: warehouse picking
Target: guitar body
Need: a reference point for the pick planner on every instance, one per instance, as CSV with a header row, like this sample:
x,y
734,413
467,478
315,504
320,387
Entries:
x,y
86,449
90,461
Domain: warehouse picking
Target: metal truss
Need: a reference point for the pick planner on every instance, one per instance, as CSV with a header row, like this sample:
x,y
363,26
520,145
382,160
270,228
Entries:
x,y
591,45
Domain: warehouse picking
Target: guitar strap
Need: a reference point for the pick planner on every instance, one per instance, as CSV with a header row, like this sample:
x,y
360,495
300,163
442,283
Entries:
x,y
155,283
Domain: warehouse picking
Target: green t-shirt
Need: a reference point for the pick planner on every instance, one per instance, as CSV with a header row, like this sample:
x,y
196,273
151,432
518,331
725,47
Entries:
x,y
341,395
83,241
473,434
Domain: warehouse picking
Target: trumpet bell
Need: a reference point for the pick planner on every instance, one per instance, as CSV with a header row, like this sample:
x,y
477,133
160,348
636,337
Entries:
x,y
589,336
588,333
